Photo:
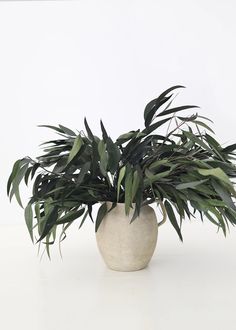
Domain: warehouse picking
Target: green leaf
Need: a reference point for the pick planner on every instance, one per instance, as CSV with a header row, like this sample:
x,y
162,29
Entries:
x,y
15,169
103,157
200,123
59,130
135,184
172,219
229,149
89,132
207,214
27,174
16,182
192,184
153,105
158,163
70,216
151,178
126,137
50,220
113,155
195,139
224,194
84,217
128,190
202,117
83,171
29,220
104,132
76,148
67,131
34,169
101,214
120,178
220,219
153,127
177,109
217,173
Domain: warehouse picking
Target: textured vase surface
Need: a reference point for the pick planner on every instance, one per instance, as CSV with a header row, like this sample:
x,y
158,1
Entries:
x,y
127,246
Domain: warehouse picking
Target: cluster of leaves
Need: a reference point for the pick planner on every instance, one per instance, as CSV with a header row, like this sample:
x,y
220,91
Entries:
x,y
186,170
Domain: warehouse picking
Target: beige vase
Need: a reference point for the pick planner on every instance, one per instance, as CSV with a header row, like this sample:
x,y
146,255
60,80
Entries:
x,y
127,246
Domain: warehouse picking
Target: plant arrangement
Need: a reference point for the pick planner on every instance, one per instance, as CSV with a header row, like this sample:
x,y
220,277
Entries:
x,y
185,171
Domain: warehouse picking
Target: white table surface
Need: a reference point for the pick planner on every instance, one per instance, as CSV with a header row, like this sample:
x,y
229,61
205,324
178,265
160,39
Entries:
x,y
186,286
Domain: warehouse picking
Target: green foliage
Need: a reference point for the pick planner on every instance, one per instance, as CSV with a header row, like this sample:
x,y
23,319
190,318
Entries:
x,y
173,160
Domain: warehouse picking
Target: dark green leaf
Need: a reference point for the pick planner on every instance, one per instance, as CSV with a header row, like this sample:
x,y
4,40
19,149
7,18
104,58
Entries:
x,y
229,149
29,220
217,173
153,127
104,132
192,184
76,148
67,131
52,127
70,216
224,194
101,214
172,219
177,109
89,132
15,170
83,219
128,190
113,155
84,170
120,178
50,220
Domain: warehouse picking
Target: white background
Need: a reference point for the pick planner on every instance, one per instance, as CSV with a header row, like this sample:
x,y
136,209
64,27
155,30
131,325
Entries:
x,y
63,60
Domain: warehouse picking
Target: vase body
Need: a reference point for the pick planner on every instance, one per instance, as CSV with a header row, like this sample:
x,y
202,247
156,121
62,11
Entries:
x,y
127,246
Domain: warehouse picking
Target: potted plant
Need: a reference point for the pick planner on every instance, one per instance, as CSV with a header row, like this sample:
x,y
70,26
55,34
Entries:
x,y
185,171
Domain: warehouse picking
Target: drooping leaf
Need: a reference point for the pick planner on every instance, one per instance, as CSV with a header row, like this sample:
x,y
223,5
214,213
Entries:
x,y
83,219
100,215
200,123
113,155
192,184
15,169
34,169
52,127
229,149
128,190
217,173
67,130
29,220
224,194
70,216
50,221
120,178
173,219
195,139
27,174
135,184
103,157
83,171
16,182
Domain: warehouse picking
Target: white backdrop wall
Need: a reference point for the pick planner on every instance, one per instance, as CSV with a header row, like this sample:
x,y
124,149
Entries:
x,y
63,60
